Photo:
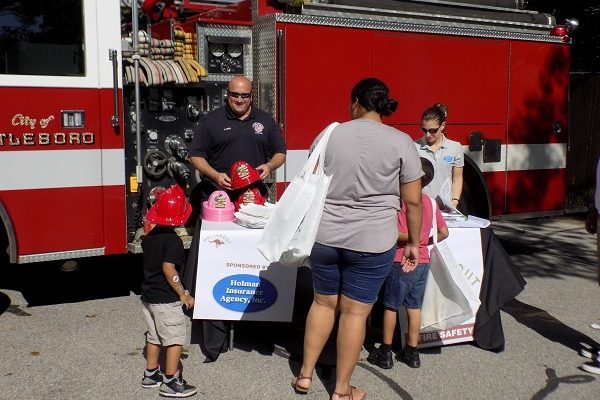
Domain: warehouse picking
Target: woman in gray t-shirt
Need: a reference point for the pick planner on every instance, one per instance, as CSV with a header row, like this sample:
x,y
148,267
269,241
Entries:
x,y
372,166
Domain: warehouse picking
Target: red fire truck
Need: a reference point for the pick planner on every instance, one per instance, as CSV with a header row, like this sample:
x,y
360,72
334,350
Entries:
x,y
85,139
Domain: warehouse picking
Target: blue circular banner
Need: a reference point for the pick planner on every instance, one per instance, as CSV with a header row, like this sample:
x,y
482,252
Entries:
x,y
245,293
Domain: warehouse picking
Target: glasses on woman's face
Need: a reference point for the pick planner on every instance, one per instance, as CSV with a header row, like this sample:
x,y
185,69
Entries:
x,y
431,131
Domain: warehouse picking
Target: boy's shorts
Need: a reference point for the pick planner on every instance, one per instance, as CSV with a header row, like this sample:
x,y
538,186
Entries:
x,y
405,289
166,323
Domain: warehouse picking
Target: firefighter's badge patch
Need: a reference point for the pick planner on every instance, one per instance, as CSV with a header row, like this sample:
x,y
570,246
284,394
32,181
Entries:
x,y
258,128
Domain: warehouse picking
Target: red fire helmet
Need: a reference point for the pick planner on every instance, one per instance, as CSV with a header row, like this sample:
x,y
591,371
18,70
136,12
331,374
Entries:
x,y
171,208
242,175
250,196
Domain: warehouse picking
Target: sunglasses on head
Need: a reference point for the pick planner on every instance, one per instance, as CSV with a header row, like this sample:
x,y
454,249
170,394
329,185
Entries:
x,y
431,131
237,94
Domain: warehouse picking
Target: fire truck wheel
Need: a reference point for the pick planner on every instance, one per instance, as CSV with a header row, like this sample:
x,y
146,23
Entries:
x,y
466,201
4,256
473,201
155,163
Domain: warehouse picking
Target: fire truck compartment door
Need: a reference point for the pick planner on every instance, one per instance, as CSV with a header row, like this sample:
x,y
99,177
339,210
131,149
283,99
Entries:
x,y
536,149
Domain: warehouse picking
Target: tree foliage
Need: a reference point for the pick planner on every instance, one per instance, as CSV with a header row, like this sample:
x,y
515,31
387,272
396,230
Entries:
x,y
586,39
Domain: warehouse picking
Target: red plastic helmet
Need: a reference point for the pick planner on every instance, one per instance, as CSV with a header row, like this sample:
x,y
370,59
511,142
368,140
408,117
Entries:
x,y
249,196
171,208
242,175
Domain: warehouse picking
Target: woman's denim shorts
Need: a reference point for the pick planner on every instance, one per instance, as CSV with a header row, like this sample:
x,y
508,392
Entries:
x,y
405,289
355,274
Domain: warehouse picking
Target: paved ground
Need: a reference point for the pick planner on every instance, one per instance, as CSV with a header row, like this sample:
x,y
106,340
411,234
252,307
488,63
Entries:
x,y
80,336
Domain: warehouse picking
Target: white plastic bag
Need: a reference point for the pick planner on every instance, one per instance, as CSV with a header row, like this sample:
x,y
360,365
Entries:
x,y
292,228
448,300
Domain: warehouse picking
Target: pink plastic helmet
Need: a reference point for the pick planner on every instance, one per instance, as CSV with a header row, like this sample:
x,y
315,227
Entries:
x,y
171,208
250,196
218,207
242,175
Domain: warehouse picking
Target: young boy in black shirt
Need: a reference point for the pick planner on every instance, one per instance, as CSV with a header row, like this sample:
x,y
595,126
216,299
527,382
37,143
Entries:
x,y
163,294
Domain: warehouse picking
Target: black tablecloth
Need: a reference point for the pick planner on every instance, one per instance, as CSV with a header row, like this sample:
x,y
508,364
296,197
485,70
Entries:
x,y
501,283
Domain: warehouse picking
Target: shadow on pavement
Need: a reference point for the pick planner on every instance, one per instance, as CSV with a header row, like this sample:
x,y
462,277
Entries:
x,y
548,326
549,247
4,302
96,278
552,382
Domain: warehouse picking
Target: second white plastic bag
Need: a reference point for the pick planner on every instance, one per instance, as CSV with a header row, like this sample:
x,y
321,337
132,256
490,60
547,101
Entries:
x,y
292,228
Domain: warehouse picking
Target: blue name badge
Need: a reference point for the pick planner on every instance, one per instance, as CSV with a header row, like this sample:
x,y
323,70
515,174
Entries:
x,y
448,159
245,293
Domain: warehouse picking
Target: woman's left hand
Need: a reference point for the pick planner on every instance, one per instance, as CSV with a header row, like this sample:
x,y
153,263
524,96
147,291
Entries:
x,y
410,258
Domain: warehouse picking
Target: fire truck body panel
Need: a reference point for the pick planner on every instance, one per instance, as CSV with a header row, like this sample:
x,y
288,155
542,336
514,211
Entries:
x,y
511,91
62,181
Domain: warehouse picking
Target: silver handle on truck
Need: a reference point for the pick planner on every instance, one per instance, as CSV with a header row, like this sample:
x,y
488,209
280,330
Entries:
x,y
112,55
280,79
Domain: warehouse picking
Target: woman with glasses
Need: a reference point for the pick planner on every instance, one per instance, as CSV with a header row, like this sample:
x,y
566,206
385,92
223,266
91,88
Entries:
x,y
356,240
446,155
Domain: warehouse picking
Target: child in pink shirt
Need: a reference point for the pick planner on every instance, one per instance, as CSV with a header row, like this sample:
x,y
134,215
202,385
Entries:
x,y
406,288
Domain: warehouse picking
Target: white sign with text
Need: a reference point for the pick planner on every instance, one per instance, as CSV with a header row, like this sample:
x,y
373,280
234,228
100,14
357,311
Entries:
x,y
235,282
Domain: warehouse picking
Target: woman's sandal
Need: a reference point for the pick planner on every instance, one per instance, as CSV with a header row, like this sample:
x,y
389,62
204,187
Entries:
x,y
350,396
300,389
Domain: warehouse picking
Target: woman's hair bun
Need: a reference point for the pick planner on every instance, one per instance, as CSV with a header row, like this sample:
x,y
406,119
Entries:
x,y
443,108
373,94
437,112
387,106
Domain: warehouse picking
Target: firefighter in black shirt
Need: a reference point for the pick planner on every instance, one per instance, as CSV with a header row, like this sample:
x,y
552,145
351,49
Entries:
x,y
234,132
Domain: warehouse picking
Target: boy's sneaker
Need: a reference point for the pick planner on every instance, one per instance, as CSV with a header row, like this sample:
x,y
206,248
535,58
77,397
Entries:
x,y
177,387
382,357
410,358
153,379
588,352
592,366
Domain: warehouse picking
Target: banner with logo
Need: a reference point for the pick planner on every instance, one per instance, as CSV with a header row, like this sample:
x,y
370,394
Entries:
x,y
235,282
465,244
